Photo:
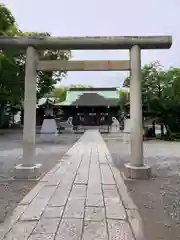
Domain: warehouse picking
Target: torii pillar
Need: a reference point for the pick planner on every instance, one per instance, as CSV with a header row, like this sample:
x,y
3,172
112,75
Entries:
x,y
29,169
136,167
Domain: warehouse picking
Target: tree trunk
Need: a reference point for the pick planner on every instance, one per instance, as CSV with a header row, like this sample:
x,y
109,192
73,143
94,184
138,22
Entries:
x,y
162,129
1,116
154,128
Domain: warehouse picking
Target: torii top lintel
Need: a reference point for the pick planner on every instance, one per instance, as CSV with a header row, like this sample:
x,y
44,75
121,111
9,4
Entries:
x,y
89,43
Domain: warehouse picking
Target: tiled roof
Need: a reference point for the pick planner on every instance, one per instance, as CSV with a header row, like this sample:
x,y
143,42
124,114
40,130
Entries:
x,y
43,101
91,97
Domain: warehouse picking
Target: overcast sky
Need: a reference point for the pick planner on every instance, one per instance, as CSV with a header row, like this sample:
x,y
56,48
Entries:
x,y
103,18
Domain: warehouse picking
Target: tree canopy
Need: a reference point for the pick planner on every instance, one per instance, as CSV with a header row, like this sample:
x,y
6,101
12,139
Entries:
x,y
12,64
160,86
161,94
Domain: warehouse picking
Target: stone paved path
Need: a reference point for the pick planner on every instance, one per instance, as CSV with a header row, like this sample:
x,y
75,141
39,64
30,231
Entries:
x,y
77,199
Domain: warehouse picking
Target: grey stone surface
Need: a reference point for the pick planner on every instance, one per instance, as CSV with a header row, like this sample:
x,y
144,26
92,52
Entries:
x,y
107,177
9,222
13,191
114,208
87,43
47,226
70,229
94,190
37,206
125,195
32,194
95,214
83,172
21,230
136,223
78,191
70,205
63,190
95,230
60,196
95,201
119,229
110,191
153,205
42,236
53,212
74,208
23,172
143,172
101,156
55,177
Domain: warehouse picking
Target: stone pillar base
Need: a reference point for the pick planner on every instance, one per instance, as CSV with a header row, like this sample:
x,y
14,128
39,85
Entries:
x,y
134,172
27,172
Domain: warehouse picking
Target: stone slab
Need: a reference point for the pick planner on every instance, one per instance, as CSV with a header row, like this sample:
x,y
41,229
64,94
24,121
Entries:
x,y
101,156
94,188
11,221
78,191
119,229
21,230
95,201
107,177
134,172
70,229
24,172
47,226
95,214
53,212
42,237
94,230
114,208
37,206
74,208
75,200
136,223
110,191
32,194
63,190
83,172
125,196
60,197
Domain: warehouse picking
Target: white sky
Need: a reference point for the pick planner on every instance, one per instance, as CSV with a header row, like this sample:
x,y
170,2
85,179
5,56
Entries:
x,y
99,17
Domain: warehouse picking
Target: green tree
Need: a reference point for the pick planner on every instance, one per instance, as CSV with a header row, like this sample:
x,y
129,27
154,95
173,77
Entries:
x,y
59,93
161,95
123,100
7,20
169,102
151,86
12,65
10,80
47,80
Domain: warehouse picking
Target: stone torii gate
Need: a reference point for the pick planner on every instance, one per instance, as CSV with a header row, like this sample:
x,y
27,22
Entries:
x,y
136,168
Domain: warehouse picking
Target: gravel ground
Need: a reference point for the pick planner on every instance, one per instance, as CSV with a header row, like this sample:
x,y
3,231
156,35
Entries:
x,y
13,191
158,199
